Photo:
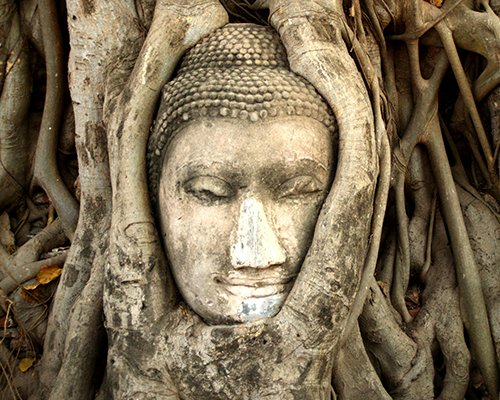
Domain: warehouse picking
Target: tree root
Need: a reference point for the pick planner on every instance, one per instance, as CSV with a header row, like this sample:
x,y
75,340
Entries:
x,y
354,377
76,379
449,45
420,230
440,319
49,238
387,65
484,232
23,273
87,251
391,350
478,32
471,296
383,185
460,242
402,262
459,173
14,105
46,171
7,11
409,373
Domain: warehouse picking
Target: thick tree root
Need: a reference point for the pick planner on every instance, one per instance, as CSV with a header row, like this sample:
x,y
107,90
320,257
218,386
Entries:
x,y
354,377
468,98
29,271
76,379
383,185
440,319
471,296
15,95
392,351
49,238
484,232
46,171
137,301
87,253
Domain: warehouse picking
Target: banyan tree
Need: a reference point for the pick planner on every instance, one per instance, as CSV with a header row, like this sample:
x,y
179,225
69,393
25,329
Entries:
x,y
235,199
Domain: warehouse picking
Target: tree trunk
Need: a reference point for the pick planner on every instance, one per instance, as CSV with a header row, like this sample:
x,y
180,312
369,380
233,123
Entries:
x,y
404,262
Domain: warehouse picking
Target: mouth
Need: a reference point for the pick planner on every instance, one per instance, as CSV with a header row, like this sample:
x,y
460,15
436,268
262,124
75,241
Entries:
x,y
255,285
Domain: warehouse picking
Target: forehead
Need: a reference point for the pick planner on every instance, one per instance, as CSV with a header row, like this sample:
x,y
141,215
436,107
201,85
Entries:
x,y
245,142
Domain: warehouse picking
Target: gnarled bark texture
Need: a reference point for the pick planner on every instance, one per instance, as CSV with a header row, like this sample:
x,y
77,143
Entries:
x,y
399,295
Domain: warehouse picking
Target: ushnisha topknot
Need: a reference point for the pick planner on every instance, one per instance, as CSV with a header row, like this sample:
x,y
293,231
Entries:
x,y
241,72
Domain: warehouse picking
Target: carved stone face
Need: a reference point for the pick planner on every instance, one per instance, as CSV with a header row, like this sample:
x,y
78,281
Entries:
x,y
238,203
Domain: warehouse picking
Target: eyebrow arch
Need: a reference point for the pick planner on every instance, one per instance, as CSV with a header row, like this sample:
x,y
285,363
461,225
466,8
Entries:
x,y
193,168
200,164
289,169
273,174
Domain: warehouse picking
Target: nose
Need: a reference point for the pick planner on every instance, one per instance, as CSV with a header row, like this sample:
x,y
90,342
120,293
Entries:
x,y
256,244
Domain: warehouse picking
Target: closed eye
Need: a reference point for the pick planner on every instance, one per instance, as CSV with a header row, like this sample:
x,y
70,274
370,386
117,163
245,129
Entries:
x,y
299,186
208,189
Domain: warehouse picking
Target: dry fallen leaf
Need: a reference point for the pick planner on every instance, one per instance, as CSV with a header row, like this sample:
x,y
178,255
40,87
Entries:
x,y
48,273
36,292
26,363
31,287
414,312
33,294
383,287
437,3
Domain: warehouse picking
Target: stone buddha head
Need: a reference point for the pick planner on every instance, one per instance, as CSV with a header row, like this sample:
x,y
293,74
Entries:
x,y
240,160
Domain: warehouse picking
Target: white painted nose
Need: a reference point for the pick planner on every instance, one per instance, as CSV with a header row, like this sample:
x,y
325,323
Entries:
x,y
256,244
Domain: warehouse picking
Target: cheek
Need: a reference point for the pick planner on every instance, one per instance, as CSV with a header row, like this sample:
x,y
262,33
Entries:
x,y
196,237
295,225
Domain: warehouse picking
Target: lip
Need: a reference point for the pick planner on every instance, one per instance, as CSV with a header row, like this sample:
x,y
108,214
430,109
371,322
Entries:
x,y
254,286
248,292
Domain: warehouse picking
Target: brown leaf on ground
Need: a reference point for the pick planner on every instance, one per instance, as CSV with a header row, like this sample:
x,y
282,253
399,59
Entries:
x,y
383,287
26,363
33,294
48,273
414,312
31,287
413,300
437,3
36,293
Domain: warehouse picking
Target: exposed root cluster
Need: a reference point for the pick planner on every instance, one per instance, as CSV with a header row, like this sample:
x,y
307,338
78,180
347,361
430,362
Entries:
x,y
427,311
